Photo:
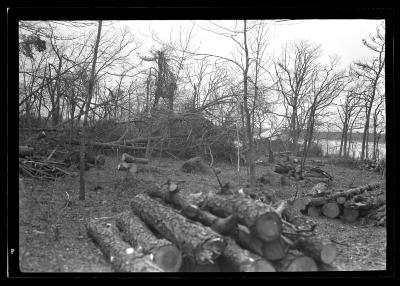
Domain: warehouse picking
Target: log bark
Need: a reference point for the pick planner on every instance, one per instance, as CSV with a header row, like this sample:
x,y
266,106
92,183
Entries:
x,y
130,159
243,237
171,195
292,263
262,220
166,255
322,251
131,167
121,255
199,242
243,260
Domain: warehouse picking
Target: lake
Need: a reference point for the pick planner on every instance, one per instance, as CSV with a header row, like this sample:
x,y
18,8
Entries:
x,y
333,147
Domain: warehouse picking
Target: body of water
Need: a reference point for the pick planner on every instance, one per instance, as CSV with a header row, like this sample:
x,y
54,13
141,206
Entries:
x,y
333,146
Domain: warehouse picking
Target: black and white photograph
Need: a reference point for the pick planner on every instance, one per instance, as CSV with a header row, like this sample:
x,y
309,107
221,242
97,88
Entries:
x,y
201,145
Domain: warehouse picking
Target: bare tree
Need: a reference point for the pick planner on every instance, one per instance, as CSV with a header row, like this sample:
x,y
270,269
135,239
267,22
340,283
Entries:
x,y
88,100
372,71
294,73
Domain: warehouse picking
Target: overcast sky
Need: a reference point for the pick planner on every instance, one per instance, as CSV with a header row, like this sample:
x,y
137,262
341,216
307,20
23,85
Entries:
x,y
337,37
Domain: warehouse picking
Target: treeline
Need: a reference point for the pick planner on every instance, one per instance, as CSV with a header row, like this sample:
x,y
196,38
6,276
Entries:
x,y
96,74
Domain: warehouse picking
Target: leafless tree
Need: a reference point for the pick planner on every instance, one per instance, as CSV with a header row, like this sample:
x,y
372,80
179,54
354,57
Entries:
x,y
372,71
294,72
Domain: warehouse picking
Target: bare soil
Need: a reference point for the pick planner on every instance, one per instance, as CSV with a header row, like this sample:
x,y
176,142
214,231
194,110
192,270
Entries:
x,y
53,237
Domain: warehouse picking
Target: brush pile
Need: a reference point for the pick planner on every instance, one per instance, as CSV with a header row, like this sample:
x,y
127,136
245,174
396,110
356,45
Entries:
x,y
39,167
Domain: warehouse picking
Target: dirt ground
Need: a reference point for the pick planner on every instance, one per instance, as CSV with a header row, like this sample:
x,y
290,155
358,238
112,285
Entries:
x,y
53,236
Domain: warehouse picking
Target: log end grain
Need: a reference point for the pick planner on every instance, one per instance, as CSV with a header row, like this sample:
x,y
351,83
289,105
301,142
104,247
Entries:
x,y
331,210
328,253
169,258
268,226
302,264
274,250
261,265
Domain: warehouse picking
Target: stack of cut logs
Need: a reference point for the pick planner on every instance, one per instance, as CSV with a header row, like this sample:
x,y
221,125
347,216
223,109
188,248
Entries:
x,y
166,231
366,201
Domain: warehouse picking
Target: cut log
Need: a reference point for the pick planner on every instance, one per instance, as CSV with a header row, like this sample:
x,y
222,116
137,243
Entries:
x,y
261,219
166,255
321,250
244,238
130,159
171,195
331,210
199,242
25,151
341,200
267,226
274,250
350,214
242,260
131,167
300,204
302,264
122,256
313,211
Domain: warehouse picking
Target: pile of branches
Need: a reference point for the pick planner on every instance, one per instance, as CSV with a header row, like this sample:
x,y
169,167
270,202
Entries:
x,y
38,167
364,202
42,169
166,230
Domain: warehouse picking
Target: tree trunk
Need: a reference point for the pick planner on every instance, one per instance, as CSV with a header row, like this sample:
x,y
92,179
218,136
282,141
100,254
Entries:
x,y
249,128
87,104
166,255
202,244
122,256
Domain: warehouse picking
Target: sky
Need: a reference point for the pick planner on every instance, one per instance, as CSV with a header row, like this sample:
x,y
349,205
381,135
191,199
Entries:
x,y
336,37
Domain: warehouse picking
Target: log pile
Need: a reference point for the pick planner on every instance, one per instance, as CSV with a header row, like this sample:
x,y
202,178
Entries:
x,y
366,201
165,229
258,237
